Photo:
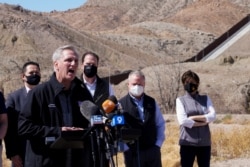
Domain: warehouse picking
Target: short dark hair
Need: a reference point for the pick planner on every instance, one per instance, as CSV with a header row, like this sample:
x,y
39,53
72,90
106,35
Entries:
x,y
29,63
90,53
189,75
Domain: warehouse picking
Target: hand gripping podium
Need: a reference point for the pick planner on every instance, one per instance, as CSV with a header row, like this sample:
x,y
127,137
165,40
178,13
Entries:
x,y
70,139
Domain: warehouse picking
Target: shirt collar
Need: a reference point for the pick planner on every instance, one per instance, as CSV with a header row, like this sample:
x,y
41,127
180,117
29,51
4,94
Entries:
x,y
135,99
27,89
90,84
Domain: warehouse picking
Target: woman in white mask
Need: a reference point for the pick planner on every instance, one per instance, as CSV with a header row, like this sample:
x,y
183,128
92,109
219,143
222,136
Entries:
x,y
142,112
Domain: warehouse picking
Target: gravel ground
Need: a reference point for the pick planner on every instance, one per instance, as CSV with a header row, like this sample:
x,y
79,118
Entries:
x,y
240,162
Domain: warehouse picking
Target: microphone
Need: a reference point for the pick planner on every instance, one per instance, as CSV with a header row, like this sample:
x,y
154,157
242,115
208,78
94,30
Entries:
x,y
97,120
118,120
93,113
88,109
109,105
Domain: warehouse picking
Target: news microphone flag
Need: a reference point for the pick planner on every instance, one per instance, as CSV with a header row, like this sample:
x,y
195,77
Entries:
x,y
96,120
117,120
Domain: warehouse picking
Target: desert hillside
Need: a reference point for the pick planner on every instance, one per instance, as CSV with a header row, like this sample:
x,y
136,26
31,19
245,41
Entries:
x,y
151,35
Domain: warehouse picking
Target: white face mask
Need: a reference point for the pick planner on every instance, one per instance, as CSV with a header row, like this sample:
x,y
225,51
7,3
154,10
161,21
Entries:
x,y
136,90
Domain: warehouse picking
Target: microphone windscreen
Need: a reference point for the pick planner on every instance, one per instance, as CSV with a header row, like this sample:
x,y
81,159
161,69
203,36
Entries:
x,y
89,109
108,106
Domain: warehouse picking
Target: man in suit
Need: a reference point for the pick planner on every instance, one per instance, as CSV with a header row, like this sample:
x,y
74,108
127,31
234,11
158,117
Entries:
x,y
3,123
15,145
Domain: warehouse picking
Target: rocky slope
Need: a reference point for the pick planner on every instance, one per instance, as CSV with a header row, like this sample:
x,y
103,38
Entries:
x,y
151,35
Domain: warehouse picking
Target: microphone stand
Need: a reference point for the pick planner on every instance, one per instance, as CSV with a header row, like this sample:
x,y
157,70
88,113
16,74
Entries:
x,y
117,141
108,150
93,149
99,146
103,147
96,155
117,131
138,153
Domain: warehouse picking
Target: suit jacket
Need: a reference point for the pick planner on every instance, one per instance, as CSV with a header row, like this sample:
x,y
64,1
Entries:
x,y
14,144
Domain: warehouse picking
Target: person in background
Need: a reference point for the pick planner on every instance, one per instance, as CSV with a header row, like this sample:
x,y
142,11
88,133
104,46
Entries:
x,y
142,112
194,113
99,89
15,145
3,123
52,108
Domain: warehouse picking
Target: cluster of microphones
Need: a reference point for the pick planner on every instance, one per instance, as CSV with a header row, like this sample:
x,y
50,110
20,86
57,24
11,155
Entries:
x,y
111,113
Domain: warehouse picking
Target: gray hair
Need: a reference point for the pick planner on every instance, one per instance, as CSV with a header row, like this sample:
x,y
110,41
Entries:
x,y
58,52
136,73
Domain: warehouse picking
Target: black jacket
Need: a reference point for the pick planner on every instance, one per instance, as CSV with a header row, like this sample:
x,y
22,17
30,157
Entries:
x,y
148,127
41,117
2,107
101,92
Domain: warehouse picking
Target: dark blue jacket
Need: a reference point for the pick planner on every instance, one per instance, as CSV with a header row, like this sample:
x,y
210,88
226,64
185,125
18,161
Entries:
x,y
14,144
2,107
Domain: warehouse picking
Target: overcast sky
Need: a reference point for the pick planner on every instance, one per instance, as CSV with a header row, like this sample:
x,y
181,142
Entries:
x,y
46,5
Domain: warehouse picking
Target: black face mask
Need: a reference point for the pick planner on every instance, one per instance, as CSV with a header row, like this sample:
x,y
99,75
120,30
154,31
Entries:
x,y
190,87
33,79
90,70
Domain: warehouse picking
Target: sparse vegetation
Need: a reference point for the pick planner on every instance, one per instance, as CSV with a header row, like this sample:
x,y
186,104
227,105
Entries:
x,y
231,143
168,83
228,141
227,119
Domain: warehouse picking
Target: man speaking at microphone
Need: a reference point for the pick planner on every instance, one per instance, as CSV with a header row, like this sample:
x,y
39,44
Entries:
x,y
52,108
142,112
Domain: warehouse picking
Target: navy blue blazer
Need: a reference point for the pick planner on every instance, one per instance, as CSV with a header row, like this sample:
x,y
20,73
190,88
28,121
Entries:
x,y
14,144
